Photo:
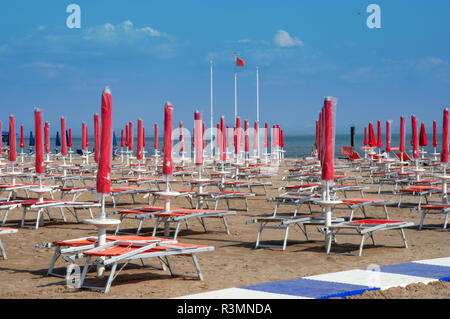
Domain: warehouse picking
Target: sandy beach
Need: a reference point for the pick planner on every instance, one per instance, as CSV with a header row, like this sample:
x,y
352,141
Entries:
x,y
234,261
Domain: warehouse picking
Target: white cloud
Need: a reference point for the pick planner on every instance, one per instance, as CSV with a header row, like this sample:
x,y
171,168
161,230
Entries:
x,y
283,39
45,65
123,32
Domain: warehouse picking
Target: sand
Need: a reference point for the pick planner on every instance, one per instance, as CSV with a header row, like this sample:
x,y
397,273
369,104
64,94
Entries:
x,y
234,262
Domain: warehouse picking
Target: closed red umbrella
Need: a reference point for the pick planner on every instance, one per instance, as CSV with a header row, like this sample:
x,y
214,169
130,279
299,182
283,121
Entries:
x,y
70,138
274,136
130,135
444,151
139,141
127,136
223,143
266,136
96,137
83,136
204,136
143,136
121,139
365,137
317,135
63,137
278,135
379,141
415,137
155,142
12,139
388,136
228,136
47,137
86,136
22,143
372,141
255,138
104,163
236,146
39,156
423,136
281,139
328,155
167,161
246,146
217,135
198,139
435,144
181,137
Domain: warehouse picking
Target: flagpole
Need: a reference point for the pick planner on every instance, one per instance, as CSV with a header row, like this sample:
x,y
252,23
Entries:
x,y
235,94
257,111
211,68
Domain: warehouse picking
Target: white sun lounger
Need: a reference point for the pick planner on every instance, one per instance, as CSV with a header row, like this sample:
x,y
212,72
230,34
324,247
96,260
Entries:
x,y
284,223
125,252
4,231
365,227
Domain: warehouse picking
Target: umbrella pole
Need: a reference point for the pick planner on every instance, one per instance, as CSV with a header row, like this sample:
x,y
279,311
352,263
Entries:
x,y
444,185
101,236
327,215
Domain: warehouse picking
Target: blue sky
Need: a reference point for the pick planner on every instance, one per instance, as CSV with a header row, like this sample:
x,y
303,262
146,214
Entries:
x,y
149,52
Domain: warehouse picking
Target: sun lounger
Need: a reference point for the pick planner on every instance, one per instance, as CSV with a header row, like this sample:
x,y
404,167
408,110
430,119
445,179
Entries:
x,y
76,191
221,195
365,227
140,214
284,223
355,203
293,198
128,190
237,185
421,191
5,207
72,249
125,252
34,206
300,188
443,209
184,194
4,231
349,188
179,215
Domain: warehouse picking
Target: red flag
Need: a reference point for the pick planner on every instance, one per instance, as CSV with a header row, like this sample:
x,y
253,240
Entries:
x,y
240,62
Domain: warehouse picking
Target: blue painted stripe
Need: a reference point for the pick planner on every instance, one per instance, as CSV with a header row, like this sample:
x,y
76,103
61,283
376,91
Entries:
x,y
420,270
317,289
